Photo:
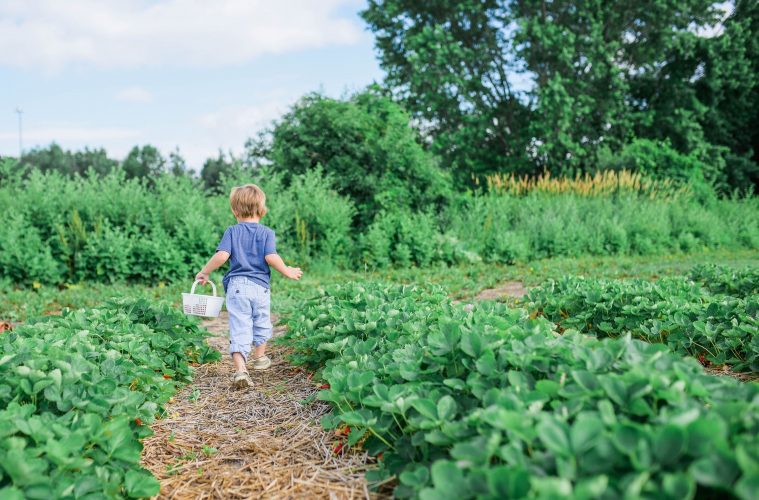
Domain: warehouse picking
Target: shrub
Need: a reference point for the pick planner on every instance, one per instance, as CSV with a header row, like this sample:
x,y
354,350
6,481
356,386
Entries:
x,y
367,144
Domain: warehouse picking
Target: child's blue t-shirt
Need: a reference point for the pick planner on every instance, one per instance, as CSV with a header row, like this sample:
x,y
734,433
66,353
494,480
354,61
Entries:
x,y
248,243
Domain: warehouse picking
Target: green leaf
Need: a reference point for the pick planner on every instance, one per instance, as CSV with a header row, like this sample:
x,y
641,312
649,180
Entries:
x,y
11,493
141,484
591,488
585,379
486,363
679,486
715,470
361,417
554,436
669,444
449,480
446,408
746,487
416,478
606,409
455,383
355,435
547,387
508,482
585,431
426,408
471,343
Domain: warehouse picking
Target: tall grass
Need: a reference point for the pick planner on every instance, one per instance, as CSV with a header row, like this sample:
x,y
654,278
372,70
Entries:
x,y
507,228
109,229
602,183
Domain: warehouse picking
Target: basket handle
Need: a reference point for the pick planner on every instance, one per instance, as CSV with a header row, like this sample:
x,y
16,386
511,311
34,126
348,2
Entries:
x,y
192,290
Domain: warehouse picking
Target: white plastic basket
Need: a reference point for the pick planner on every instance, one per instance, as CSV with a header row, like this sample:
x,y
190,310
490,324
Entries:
x,y
202,305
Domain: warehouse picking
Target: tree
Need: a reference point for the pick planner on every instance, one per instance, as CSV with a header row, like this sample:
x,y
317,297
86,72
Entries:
x,y
53,158
365,144
143,162
598,75
215,169
453,65
177,164
729,91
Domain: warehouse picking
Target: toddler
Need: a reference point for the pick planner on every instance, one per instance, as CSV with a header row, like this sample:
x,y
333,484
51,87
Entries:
x,y
251,250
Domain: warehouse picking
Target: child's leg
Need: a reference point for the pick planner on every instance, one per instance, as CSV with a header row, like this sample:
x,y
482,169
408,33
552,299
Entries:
x,y
259,351
240,325
239,361
262,327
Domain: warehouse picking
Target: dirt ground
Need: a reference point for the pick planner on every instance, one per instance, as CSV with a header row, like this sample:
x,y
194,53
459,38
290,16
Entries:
x,y
509,289
265,442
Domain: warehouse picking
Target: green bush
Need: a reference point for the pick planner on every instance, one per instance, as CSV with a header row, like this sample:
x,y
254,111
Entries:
x,y
108,228
24,255
493,404
741,283
402,238
674,311
76,392
505,228
368,145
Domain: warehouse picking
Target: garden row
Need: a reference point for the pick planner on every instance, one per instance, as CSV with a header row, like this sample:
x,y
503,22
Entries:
x,y
109,229
493,403
77,391
713,318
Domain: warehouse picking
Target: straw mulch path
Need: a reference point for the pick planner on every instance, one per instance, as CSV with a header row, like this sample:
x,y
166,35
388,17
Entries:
x,y
266,442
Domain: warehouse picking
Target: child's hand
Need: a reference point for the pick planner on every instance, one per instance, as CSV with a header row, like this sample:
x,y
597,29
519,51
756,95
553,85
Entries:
x,y
202,277
294,273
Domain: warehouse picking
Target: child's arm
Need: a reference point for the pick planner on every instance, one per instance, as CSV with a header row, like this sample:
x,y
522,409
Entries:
x,y
215,262
275,261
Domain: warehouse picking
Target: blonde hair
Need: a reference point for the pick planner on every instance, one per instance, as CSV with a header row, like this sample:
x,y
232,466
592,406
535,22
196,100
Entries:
x,y
248,201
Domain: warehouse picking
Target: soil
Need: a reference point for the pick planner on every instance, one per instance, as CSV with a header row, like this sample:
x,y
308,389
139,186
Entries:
x,y
509,289
263,442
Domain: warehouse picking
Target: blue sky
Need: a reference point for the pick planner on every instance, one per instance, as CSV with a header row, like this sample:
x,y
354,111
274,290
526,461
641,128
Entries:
x,y
192,74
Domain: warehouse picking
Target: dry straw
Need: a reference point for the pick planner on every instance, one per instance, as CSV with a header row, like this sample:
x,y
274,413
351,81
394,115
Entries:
x,y
216,442
602,183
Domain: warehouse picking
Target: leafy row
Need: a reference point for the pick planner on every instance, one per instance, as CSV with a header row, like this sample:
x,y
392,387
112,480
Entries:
x,y
76,391
493,404
719,328
722,279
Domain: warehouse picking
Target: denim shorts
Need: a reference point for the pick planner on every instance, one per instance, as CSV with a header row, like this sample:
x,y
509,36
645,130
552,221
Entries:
x,y
248,304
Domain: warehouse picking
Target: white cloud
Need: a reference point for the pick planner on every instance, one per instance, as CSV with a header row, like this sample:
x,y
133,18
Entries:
x,y
228,128
50,34
246,119
134,94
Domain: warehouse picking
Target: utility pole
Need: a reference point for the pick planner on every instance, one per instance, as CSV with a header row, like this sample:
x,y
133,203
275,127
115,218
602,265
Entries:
x,y
20,112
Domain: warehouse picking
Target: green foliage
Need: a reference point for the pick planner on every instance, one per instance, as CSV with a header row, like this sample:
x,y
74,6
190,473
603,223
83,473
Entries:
x,y
77,390
493,404
449,64
676,312
143,162
525,86
741,283
24,255
503,228
112,229
367,147
216,169
55,159
402,238
657,160
730,93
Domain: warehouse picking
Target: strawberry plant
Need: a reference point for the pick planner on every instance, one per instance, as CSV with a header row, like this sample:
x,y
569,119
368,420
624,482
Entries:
x,y
674,311
76,392
490,403
722,279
